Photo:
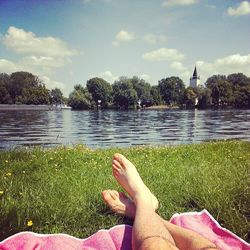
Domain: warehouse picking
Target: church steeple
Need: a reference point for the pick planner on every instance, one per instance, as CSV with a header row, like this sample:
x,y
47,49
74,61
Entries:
x,y
195,79
195,75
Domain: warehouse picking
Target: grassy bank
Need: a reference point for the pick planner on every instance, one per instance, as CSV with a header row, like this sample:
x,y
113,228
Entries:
x,y
59,189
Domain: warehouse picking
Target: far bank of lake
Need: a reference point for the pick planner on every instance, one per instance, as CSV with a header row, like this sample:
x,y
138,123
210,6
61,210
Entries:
x,y
110,128
31,107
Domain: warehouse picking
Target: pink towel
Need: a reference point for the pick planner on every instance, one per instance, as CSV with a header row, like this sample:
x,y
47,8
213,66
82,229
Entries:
x,y
119,237
204,224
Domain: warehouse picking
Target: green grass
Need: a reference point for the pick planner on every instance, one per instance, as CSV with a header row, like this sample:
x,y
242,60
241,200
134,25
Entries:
x,y
59,189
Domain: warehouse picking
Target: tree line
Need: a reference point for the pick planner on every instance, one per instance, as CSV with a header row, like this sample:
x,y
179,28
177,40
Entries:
x,y
26,88
219,91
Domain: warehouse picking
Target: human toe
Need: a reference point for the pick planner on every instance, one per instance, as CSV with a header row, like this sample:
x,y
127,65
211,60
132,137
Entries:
x,y
119,158
114,194
116,164
106,196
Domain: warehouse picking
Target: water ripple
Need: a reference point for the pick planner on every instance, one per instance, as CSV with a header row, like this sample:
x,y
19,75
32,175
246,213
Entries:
x,y
120,128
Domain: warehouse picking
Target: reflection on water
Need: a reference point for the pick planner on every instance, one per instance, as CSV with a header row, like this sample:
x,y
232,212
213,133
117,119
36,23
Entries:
x,y
121,128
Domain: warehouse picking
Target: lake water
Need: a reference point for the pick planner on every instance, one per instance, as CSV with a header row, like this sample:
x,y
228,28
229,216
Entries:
x,y
121,128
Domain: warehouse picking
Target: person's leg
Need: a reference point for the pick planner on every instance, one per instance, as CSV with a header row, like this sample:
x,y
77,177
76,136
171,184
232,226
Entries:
x,y
127,175
187,239
148,231
183,238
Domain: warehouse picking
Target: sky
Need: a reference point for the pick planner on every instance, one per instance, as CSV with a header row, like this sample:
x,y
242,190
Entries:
x,y
67,42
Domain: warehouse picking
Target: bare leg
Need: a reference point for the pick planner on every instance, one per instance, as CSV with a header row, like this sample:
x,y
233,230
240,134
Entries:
x,y
187,239
183,238
142,208
148,231
122,179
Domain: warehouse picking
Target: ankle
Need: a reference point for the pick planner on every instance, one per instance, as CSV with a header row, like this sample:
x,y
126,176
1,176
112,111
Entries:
x,y
143,200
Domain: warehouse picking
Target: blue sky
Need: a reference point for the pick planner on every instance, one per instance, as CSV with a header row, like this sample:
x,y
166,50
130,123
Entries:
x,y
66,42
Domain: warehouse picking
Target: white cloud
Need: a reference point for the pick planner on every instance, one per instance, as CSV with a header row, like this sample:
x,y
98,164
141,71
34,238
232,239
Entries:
x,y
123,36
33,64
24,42
51,84
8,67
169,3
223,66
185,75
153,39
233,61
108,76
183,71
163,54
242,9
145,77
42,55
43,61
178,66
226,65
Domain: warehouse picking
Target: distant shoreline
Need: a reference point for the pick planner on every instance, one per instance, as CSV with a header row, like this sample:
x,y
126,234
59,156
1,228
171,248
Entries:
x,y
31,107
52,107
161,107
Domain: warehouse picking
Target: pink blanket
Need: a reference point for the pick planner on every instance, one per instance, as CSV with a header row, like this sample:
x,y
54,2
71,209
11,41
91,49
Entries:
x,y
119,237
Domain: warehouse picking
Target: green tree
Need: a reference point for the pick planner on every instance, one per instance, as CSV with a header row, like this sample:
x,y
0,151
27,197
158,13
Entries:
x,y
214,79
242,96
241,89
189,98
238,79
172,90
222,90
19,81
25,88
100,90
80,98
226,96
36,95
42,95
204,97
56,96
156,95
212,84
124,94
5,79
5,97
143,90
65,100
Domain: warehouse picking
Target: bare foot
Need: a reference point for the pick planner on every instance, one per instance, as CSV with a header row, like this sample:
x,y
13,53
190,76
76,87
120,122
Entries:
x,y
119,203
126,174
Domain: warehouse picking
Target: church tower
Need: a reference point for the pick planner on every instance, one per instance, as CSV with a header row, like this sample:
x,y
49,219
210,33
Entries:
x,y
195,79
